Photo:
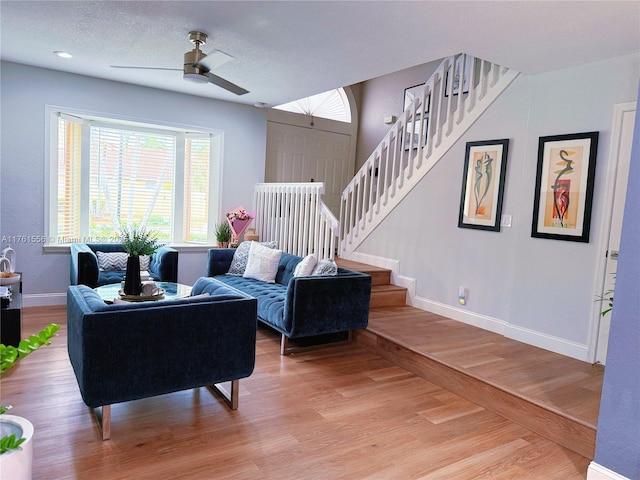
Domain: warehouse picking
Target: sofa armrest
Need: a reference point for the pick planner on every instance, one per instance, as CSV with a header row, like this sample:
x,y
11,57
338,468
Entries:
x,y
324,304
219,261
83,265
164,265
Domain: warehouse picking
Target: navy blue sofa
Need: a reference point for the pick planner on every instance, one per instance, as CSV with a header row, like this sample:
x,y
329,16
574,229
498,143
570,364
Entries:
x,y
128,351
300,307
84,265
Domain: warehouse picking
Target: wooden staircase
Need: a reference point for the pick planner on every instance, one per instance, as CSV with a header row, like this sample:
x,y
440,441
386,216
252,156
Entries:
x,y
441,351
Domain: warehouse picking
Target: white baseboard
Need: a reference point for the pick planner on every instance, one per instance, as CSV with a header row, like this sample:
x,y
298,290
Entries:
x,y
598,472
496,325
43,299
465,316
548,342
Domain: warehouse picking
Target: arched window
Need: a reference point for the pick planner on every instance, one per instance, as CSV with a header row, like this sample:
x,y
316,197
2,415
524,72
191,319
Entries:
x,y
333,105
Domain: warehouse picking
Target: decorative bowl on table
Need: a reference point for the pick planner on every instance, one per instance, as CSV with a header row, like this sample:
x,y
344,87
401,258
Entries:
x,y
157,295
9,278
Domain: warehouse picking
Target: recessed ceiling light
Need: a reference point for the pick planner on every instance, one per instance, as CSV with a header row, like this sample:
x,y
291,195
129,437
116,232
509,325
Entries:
x,y
63,54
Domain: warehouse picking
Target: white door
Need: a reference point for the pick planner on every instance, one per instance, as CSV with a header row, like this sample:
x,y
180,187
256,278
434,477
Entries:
x,y
622,139
299,154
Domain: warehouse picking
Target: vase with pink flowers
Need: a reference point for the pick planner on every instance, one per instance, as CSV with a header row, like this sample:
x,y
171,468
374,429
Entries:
x,y
239,219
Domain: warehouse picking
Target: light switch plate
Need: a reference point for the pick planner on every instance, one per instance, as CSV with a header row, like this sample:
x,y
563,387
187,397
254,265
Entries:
x,y
505,221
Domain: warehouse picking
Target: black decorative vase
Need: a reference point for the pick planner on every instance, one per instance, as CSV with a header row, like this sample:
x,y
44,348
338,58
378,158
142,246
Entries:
x,y
132,282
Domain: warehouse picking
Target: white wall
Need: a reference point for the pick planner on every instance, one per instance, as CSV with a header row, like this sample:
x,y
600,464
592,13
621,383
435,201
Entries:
x,y
536,290
25,93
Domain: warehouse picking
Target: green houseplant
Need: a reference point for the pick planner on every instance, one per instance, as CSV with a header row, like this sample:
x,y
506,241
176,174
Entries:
x,y
16,448
223,234
136,241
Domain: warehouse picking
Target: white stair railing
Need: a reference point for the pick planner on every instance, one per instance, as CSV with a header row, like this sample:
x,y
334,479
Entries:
x,y
294,215
424,132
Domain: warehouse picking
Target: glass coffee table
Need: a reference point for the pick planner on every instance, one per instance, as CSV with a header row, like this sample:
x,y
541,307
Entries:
x,y
172,291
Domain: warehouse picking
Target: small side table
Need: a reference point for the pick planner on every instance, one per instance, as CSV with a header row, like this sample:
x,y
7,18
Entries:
x,y
11,316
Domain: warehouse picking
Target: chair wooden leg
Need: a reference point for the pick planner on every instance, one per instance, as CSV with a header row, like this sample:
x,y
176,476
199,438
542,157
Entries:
x,y
103,417
284,345
230,398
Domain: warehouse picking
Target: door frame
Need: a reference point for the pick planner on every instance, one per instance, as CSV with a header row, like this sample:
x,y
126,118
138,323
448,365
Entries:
x,y
619,111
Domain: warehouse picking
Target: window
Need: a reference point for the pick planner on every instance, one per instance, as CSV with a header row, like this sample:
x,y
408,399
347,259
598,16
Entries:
x,y
333,105
105,174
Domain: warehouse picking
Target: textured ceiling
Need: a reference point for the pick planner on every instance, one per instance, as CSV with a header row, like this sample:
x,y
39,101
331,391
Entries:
x,y
288,50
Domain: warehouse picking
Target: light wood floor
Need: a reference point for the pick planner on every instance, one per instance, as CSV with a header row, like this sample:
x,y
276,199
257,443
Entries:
x,y
336,413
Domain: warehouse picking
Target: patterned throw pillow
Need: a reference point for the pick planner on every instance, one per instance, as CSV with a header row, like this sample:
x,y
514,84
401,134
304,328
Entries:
x,y
326,266
241,257
118,261
112,260
305,267
145,260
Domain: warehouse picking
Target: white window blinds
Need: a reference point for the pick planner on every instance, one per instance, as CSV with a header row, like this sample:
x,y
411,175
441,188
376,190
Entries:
x,y
131,182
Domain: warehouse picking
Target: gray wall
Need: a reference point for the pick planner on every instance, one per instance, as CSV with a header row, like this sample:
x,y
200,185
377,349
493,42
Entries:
x,y
25,93
382,97
618,439
535,290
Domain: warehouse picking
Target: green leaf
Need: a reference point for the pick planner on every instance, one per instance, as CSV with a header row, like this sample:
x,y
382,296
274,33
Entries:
x,y
9,354
10,442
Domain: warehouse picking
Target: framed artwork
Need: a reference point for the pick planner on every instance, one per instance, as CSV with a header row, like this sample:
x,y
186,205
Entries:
x,y
485,167
457,73
410,94
564,186
416,133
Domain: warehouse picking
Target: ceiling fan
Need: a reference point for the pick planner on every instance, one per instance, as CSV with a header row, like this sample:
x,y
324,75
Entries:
x,y
198,65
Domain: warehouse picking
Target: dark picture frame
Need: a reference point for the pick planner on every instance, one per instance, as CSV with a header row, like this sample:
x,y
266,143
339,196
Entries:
x,y
416,133
564,186
457,73
485,169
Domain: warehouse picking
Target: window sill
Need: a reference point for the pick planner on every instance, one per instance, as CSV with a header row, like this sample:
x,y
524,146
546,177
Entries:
x,y
186,248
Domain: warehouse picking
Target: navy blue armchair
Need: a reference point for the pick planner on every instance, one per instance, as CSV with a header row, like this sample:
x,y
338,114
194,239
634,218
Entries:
x,y
84,265
130,351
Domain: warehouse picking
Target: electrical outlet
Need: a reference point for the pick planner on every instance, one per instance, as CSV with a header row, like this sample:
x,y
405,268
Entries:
x,y
505,221
462,295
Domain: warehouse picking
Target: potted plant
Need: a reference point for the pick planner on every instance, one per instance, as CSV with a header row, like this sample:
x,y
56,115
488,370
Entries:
x,y
223,234
16,433
136,241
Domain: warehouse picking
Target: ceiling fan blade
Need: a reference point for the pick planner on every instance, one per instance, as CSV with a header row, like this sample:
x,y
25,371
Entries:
x,y
226,84
146,68
215,59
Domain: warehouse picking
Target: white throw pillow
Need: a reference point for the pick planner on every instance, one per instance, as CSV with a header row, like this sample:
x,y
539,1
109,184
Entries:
x,y
305,267
262,263
241,256
326,266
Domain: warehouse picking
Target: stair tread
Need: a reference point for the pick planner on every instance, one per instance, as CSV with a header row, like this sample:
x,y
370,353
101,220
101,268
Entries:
x,y
387,288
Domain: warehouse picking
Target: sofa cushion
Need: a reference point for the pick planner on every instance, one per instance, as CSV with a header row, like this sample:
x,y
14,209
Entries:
x,y
305,267
262,263
288,263
271,298
241,257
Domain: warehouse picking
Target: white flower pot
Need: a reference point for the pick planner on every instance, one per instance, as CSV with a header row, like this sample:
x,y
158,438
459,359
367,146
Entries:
x,y
17,464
